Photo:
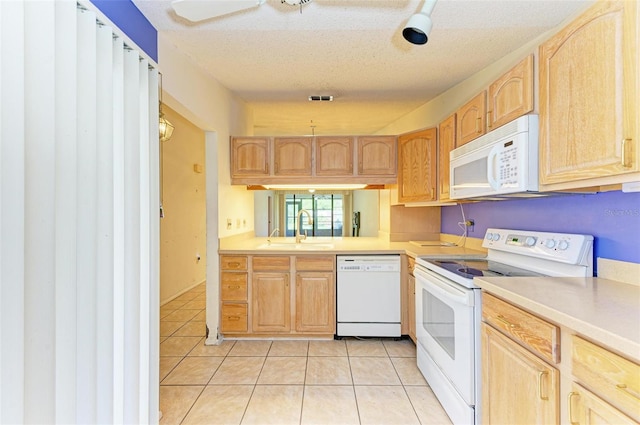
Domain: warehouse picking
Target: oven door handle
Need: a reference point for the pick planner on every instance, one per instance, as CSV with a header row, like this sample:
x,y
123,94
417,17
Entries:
x,y
433,283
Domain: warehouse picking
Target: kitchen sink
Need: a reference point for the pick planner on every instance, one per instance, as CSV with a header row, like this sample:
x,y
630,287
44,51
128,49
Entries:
x,y
308,246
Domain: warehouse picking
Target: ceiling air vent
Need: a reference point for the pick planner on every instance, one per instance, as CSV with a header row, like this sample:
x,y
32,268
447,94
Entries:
x,y
321,98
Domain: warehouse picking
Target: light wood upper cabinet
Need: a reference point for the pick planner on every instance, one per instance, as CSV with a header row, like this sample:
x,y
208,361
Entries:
x,y
334,156
417,156
517,386
588,99
471,119
292,156
377,155
314,160
446,143
511,95
250,156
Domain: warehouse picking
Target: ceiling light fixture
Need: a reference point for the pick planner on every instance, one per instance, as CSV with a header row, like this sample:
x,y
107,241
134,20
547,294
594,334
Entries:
x,y
419,25
165,128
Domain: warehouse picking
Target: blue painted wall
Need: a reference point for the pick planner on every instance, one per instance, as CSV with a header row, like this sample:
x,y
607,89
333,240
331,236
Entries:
x,y
132,22
613,218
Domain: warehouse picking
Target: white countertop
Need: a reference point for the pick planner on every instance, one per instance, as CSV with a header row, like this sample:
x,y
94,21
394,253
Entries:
x,y
338,245
603,310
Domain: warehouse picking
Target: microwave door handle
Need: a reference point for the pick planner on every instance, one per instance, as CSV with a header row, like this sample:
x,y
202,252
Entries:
x,y
492,167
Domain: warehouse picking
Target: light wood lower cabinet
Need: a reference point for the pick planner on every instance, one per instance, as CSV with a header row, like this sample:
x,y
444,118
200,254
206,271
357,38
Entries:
x,y
411,299
315,296
233,294
586,408
270,302
517,386
287,295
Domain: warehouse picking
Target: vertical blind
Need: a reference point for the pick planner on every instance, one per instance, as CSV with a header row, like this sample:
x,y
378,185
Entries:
x,y
79,225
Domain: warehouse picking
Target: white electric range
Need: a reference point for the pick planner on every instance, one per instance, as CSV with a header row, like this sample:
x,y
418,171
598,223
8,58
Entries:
x,y
448,306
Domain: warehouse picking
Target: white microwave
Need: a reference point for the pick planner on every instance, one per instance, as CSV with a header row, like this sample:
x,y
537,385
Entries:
x,y
502,163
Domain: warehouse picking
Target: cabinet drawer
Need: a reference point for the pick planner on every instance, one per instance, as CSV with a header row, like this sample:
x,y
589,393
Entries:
x,y
609,375
233,262
539,336
234,318
270,263
315,262
233,286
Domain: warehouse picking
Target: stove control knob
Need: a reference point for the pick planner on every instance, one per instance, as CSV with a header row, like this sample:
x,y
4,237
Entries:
x,y
550,243
495,237
530,241
489,236
563,245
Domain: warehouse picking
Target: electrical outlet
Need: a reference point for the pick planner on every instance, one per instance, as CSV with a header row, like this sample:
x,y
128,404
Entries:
x,y
229,224
470,224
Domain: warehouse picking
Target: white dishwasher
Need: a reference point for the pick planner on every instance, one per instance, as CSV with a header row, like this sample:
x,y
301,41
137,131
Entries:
x,y
368,295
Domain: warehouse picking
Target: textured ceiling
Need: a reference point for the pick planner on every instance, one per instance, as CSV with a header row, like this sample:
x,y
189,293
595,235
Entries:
x,y
274,57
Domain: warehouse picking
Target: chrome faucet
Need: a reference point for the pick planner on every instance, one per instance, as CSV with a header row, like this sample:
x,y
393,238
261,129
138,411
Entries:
x,y
299,237
276,230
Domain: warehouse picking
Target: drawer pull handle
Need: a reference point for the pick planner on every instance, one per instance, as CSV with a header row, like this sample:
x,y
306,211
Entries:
x,y
234,264
623,156
502,319
233,318
623,387
571,395
541,375
233,287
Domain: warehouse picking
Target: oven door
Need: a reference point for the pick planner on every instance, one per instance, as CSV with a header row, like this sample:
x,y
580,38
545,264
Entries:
x,y
447,327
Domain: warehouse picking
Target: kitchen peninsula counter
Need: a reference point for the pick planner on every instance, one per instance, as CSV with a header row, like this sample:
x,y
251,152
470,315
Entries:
x,y
603,310
339,246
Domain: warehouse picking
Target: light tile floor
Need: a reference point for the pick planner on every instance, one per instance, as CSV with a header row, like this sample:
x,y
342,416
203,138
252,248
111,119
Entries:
x,y
349,381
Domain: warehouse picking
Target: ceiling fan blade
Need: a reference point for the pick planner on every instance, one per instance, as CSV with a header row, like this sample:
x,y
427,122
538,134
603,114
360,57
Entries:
x,y
199,10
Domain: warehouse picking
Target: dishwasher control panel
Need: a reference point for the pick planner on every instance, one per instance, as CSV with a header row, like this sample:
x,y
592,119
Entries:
x,y
372,263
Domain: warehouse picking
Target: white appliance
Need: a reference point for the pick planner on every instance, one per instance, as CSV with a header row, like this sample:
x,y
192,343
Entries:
x,y
368,295
500,163
448,306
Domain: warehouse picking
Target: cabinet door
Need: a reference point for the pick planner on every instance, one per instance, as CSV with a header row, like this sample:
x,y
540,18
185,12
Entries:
x,y
446,143
292,156
417,166
250,157
517,387
586,408
471,123
315,302
334,156
270,302
377,156
511,95
588,97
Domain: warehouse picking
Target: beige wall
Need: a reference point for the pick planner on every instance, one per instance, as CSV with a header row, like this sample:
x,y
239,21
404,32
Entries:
x,y
183,228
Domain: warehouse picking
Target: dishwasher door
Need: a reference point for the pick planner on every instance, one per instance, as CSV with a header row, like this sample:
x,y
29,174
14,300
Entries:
x,y
368,295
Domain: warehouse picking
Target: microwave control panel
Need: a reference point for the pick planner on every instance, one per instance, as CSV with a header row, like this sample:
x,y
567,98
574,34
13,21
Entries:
x,y
508,164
